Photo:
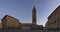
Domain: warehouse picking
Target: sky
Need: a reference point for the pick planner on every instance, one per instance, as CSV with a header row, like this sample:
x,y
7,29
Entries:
x,y
22,9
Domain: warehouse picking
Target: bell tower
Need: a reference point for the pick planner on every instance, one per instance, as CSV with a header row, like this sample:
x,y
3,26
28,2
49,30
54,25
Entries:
x,y
34,16
34,27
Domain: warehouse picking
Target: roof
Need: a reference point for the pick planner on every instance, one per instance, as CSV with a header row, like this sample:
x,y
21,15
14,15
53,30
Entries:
x,y
9,16
54,11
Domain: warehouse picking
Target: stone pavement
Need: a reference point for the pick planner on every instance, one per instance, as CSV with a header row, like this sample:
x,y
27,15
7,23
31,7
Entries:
x,y
29,30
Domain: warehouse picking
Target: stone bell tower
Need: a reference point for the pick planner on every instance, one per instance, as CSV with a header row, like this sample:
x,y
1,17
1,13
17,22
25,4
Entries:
x,y
34,16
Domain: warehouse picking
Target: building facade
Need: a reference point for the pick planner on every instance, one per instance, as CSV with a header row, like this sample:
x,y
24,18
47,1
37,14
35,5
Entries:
x,y
26,26
54,19
39,27
0,25
9,22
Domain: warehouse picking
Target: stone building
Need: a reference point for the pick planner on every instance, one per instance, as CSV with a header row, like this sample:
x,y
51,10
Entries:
x,y
40,27
0,25
54,19
9,22
26,26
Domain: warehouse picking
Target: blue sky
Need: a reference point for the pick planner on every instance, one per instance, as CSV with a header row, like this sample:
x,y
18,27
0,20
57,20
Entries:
x,y
22,9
